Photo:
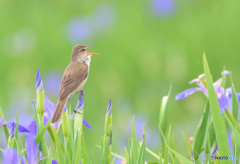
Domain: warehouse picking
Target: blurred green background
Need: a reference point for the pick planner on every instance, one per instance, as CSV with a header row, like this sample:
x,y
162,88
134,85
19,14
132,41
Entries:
x,y
143,45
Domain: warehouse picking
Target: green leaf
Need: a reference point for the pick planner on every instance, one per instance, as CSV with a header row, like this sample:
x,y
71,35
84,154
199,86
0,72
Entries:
x,y
234,101
126,155
79,148
163,114
166,155
231,118
15,145
218,122
42,132
233,126
4,126
49,161
106,147
141,155
65,124
210,139
200,133
173,147
134,144
160,161
187,143
40,101
86,159
59,148
180,157
152,153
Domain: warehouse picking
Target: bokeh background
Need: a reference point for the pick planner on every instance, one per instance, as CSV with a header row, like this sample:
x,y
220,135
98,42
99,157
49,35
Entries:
x,y
144,46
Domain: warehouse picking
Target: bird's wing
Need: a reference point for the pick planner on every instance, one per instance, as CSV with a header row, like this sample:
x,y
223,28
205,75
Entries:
x,y
74,74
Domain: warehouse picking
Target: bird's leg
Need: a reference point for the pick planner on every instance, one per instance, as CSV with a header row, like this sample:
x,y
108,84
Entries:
x,y
70,103
75,111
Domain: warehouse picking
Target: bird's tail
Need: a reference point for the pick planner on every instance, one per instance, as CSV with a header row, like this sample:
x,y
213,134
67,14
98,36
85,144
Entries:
x,y
59,110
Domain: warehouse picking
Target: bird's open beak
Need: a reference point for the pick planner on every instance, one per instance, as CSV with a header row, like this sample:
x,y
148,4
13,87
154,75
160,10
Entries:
x,y
88,53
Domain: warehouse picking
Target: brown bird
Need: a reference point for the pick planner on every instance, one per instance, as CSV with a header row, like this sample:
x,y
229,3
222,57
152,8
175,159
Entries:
x,y
74,77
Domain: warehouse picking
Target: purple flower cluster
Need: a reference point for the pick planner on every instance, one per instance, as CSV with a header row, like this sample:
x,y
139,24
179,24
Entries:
x,y
33,154
10,155
224,95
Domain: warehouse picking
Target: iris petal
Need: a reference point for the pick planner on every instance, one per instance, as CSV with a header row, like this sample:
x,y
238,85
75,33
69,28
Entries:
x,y
10,156
31,149
186,93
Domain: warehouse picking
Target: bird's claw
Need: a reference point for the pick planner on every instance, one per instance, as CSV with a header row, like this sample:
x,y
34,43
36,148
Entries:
x,y
76,111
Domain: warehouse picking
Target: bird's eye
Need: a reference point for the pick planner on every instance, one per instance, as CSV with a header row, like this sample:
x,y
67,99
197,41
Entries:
x,y
83,49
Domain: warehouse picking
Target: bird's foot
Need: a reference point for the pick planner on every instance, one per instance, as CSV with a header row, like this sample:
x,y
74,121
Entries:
x,y
76,111
81,91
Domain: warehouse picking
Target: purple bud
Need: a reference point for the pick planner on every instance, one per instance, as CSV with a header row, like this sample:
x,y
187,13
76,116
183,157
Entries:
x,y
39,85
109,109
80,102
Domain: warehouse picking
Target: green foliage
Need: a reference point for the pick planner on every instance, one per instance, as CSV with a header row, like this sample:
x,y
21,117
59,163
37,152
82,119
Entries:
x,y
135,152
218,122
234,101
4,126
72,148
163,116
164,110
107,138
200,133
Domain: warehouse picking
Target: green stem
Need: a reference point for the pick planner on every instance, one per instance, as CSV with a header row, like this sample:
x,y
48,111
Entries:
x,y
42,144
77,136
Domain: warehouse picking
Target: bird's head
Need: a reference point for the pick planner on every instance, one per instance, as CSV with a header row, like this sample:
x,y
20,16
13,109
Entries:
x,y
80,54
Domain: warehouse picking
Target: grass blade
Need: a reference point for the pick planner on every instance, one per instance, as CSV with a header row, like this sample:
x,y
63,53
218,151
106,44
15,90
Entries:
x,y
134,144
4,126
200,133
42,132
234,101
218,122
180,157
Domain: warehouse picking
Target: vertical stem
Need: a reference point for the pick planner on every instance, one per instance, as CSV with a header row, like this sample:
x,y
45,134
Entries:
x,y
42,144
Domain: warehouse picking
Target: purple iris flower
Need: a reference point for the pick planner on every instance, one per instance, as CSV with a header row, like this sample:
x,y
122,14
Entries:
x,y
10,156
224,95
12,125
163,7
32,150
190,91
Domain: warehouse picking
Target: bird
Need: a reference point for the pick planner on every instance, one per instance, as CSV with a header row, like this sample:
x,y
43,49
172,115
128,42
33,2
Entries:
x,y
74,77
